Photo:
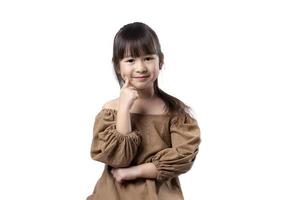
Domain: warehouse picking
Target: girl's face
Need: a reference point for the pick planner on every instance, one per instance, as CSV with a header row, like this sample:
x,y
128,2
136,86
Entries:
x,y
141,71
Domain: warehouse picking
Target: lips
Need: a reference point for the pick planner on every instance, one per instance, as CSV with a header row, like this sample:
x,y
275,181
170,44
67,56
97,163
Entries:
x,y
141,76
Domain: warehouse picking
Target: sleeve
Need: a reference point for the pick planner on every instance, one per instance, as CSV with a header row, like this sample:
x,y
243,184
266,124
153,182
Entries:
x,y
108,145
179,158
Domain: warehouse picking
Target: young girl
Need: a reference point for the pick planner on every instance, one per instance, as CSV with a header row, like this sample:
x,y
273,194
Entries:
x,y
145,137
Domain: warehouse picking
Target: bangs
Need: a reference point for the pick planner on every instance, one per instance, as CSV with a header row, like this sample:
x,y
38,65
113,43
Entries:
x,y
136,47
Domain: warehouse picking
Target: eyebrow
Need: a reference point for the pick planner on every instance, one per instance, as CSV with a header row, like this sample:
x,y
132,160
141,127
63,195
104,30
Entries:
x,y
139,56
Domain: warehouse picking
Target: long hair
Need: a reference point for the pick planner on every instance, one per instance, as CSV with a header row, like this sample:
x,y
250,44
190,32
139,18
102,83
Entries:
x,y
137,39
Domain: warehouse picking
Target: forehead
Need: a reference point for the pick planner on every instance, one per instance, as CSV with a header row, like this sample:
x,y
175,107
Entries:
x,y
138,50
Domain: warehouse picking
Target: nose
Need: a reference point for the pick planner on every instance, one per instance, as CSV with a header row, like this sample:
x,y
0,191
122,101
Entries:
x,y
141,67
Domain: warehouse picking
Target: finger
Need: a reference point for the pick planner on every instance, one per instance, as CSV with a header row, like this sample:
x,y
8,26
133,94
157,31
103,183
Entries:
x,y
136,94
132,87
126,84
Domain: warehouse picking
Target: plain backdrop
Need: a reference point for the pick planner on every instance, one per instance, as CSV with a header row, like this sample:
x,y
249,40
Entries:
x,y
223,58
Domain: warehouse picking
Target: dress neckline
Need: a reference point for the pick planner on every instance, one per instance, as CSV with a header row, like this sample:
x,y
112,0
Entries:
x,y
132,113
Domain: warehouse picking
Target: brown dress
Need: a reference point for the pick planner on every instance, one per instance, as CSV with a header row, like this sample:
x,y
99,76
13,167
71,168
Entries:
x,y
169,141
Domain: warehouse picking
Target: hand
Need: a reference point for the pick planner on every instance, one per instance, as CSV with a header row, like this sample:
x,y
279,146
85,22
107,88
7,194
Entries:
x,y
128,95
123,174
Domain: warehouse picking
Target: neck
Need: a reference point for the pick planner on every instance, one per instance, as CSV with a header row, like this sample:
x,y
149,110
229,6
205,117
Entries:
x,y
147,93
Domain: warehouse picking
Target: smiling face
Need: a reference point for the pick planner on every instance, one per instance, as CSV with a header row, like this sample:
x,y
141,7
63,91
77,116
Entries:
x,y
141,71
136,53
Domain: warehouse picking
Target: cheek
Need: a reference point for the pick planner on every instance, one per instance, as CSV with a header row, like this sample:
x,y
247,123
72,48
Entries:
x,y
126,74
124,71
155,73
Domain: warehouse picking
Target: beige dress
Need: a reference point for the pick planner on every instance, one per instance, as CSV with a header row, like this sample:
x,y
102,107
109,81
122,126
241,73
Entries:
x,y
169,141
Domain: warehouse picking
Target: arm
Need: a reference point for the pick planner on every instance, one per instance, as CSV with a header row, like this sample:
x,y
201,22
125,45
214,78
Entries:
x,y
169,162
108,145
179,158
114,141
123,121
146,170
127,97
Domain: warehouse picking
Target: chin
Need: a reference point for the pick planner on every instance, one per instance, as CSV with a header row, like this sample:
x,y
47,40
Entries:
x,y
138,86
141,86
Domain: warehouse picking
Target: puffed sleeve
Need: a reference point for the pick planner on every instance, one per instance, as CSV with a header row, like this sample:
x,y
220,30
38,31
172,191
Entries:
x,y
108,145
179,158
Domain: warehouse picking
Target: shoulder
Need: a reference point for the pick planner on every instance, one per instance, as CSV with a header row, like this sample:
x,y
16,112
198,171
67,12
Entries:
x,y
112,104
183,118
107,112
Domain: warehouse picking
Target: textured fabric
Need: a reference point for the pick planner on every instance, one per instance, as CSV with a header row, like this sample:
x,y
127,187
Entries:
x,y
169,141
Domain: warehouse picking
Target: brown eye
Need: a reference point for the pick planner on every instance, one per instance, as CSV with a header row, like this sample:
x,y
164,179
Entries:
x,y
149,58
130,60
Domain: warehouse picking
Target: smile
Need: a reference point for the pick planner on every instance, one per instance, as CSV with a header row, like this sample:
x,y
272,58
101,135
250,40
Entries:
x,y
141,78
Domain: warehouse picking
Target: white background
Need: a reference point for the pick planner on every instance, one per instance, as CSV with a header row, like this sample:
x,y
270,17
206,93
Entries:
x,y
223,58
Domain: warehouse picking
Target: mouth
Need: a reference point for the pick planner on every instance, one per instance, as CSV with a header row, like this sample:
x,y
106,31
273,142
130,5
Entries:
x,y
141,78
